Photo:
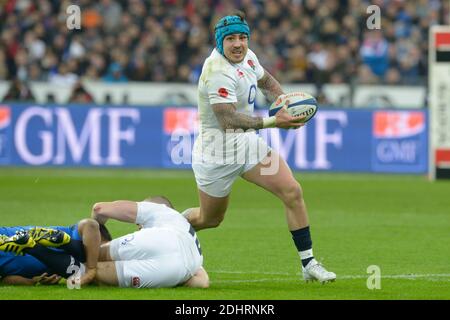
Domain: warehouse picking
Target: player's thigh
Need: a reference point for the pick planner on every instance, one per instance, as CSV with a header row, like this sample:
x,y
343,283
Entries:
x,y
212,207
272,174
106,274
216,180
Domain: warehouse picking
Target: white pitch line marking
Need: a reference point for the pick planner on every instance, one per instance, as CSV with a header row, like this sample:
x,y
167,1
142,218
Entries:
x,y
428,277
250,272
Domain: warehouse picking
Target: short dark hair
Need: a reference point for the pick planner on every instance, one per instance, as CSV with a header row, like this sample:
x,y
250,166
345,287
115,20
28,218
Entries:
x,y
160,199
239,13
104,232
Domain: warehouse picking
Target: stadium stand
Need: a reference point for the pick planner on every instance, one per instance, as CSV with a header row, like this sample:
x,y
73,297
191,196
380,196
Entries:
x,y
299,41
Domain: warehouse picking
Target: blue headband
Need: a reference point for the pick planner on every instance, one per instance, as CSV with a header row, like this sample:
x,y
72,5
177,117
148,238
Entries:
x,y
229,25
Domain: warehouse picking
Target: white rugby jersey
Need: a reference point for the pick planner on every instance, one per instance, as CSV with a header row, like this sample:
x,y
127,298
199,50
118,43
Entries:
x,y
224,82
155,215
150,214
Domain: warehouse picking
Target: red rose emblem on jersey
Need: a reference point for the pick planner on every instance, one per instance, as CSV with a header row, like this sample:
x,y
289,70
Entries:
x,y
251,64
136,282
223,92
278,101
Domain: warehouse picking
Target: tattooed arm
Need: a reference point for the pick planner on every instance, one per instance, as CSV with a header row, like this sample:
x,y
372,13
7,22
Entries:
x,y
270,87
230,119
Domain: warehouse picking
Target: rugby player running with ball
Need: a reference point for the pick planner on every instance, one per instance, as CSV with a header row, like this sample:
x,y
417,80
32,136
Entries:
x,y
226,91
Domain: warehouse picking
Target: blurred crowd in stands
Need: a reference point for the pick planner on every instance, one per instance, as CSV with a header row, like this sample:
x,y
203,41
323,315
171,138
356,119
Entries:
x,y
298,41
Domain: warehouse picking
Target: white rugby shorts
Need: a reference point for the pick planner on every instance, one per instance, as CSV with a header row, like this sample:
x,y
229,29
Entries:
x,y
155,257
215,178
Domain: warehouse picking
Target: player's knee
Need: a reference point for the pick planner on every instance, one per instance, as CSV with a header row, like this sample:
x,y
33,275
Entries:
x,y
90,224
201,283
212,222
198,282
204,284
200,279
292,193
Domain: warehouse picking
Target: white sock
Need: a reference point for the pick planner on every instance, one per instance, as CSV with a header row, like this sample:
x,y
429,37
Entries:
x,y
306,254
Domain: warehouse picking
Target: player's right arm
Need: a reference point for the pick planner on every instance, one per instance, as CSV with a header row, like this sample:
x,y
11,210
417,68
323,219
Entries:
x,y
221,86
121,210
90,234
141,213
229,118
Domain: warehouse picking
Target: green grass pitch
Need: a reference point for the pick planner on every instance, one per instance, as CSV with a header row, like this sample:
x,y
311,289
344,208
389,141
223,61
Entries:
x,y
399,223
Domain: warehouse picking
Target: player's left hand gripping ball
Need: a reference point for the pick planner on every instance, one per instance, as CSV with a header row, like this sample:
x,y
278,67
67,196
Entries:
x,y
300,105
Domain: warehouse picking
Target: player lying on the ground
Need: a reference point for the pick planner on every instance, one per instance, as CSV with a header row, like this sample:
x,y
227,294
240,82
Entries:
x,y
30,262
165,252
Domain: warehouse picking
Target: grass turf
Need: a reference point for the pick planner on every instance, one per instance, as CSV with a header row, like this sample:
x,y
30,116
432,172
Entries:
x,y
399,223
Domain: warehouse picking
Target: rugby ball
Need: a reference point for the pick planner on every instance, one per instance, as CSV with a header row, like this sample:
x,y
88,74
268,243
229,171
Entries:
x,y
300,104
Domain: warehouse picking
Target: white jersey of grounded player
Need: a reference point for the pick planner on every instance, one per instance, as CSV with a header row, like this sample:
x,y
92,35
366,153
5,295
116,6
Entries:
x,y
224,82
